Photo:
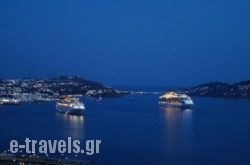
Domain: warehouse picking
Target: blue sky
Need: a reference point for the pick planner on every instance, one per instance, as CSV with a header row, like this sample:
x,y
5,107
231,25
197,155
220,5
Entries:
x,y
132,42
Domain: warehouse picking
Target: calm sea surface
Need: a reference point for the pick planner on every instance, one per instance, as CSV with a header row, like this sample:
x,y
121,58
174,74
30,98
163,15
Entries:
x,y
216,131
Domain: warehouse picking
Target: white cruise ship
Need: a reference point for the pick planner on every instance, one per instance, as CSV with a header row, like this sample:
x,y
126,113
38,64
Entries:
x,y
70,105
10,101
173,99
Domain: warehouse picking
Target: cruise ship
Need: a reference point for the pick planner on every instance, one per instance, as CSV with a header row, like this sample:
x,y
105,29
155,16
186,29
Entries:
x,y
10,101
70,105
173,99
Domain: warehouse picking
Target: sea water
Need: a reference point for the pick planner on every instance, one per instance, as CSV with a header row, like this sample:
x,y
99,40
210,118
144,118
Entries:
x,y
139,132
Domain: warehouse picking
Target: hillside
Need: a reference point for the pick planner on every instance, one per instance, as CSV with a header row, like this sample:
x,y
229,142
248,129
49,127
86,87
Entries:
x,y
220,89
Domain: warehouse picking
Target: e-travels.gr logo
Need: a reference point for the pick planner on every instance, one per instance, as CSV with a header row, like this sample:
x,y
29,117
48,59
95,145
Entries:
x,y
53,146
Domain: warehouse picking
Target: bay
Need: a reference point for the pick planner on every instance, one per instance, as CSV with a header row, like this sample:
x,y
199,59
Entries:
x,y
216,131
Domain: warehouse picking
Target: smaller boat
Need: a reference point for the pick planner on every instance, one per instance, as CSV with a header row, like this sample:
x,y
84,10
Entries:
x,y
172,99
70,105
99,99
131,98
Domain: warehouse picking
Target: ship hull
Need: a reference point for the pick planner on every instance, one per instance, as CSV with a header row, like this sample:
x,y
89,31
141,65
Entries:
x,y
69,110
176,105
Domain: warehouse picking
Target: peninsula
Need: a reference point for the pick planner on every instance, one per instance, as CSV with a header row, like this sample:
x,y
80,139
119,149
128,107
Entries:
x,y
220,89
38,90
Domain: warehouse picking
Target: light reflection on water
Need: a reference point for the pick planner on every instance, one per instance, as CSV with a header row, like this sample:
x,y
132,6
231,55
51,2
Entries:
x,y
178,129
176,116
73,125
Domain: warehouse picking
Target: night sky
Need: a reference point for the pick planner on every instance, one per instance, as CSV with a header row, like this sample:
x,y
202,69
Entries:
x,y
129,42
